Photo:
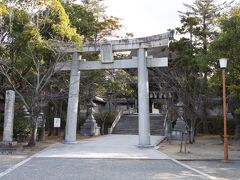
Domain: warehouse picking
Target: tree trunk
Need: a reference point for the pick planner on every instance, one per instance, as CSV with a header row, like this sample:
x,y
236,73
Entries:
x,y
32,141
42,132
78,118
204,118
204,115
192,135
103,127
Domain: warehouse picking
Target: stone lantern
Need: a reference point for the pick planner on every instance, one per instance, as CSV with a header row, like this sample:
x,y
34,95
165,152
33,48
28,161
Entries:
x,y
90,127
180,109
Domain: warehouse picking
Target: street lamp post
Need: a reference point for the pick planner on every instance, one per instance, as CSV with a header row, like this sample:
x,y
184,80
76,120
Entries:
x,y
223,66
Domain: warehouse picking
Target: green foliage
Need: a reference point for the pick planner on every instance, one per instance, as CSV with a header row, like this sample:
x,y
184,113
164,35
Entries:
x,y
21,128
189,25
192,63
106,26
122,83
237,111
81,18
56,23
29,51
199,22
21,18
185,51
3,9
105,119
34,39
31,42
106,116
91,21
227,44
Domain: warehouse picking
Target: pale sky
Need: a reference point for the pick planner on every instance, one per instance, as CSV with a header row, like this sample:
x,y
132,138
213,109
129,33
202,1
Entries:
x,y
147,17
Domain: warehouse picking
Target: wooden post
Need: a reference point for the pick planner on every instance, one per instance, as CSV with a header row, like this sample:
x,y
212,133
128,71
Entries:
x,y
225,136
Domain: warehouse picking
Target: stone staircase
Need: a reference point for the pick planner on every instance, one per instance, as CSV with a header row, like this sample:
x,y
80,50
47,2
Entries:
x,y
128,124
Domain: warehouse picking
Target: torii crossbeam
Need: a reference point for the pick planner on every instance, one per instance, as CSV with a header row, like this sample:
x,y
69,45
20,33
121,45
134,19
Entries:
x,y
141,62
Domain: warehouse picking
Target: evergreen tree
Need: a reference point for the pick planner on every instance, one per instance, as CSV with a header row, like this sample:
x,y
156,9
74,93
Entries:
x,y
227,44
199,21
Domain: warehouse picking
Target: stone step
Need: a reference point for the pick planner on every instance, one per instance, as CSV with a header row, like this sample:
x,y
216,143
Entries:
x,y
134,131
128,124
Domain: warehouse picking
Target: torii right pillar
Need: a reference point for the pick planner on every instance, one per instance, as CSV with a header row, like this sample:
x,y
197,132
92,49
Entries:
x,y
143,101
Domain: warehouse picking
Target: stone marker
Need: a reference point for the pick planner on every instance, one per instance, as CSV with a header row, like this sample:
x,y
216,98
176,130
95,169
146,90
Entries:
x,y
8,116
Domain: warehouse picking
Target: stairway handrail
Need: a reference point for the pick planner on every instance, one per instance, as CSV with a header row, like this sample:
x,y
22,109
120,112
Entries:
x,y
115,122
165,120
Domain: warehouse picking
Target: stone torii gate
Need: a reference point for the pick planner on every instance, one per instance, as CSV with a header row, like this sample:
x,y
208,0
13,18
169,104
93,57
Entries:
x,y
141,62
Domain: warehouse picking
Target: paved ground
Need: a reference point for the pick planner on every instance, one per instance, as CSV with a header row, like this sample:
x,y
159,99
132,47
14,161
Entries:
x,y
109,146
100,169
229,170
113,157
206,155
9,161
206,147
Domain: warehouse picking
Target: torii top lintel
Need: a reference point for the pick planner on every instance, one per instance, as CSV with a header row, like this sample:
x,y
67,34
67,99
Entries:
x,y
107,47
160,40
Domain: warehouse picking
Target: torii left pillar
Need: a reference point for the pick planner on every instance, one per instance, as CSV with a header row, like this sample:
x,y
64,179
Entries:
x,y
71,124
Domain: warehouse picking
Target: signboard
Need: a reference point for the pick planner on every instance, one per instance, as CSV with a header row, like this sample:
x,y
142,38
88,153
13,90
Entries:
x,y
57,122
39,121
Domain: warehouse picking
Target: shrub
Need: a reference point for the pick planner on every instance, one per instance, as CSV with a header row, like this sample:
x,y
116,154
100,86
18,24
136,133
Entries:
x,y
21,128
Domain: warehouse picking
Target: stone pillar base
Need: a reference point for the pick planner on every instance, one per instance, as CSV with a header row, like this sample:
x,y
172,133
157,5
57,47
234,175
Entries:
x,y
90,128
8,143
145,146
7,147
71,142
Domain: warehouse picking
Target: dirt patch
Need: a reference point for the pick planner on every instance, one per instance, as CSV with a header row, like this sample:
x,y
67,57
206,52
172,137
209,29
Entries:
x,y
206,147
